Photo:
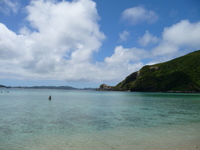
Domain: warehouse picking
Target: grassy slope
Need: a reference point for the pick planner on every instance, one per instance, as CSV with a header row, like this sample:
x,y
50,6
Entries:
x,y
180,74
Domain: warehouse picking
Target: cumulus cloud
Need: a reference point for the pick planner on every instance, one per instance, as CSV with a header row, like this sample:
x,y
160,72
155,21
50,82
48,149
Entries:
x,y
139,14
61,36
124,35
176,40
148,39
125,61
9,6
59,43
70,27
181,35
125,55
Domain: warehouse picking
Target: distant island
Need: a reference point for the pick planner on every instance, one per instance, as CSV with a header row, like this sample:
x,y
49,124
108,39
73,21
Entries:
x,y
53,87
2,86
47,87
178,75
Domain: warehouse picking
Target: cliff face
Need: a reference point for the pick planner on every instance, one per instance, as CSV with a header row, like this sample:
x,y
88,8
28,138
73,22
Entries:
x,y
178,75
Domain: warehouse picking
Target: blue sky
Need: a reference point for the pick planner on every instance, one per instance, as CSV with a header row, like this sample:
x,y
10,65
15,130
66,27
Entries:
x,y
85,43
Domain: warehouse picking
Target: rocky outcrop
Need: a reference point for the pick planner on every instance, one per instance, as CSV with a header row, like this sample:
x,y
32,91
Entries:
x,y
105,87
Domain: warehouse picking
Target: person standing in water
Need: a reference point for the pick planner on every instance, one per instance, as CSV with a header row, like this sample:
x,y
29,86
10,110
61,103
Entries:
x,y
50,97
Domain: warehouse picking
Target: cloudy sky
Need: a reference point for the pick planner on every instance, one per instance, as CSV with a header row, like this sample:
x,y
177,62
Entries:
x,y
84,43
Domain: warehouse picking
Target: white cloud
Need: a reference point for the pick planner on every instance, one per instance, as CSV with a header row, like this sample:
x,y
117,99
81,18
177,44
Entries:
x,y
165,49
59,44
73,26
69,30
148,39
181,35
125,61
9,6
62,36
7,45
137,15
124,35
125,55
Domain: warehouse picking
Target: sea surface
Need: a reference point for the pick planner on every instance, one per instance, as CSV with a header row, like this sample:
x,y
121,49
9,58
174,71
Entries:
x,y
97,120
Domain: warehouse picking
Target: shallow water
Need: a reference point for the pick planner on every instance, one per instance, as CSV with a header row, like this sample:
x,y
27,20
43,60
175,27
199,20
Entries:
x,y
84,120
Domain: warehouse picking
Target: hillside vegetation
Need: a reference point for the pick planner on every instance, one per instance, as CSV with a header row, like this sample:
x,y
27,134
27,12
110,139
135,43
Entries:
x,y
2,86
178,75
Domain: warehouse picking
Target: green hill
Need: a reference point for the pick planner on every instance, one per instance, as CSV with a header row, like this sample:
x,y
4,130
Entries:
x,y
178,75
2,86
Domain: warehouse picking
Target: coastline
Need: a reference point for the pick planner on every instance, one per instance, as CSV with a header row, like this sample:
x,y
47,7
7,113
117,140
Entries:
x,y
192,92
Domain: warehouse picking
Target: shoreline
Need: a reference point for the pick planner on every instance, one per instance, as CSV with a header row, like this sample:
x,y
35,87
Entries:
x,y
113,90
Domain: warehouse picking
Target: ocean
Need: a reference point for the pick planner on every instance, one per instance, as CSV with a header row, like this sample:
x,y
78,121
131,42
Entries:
x,y
98,120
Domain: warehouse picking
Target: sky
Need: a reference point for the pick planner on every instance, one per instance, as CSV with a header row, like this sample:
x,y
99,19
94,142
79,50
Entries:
x,y
84,43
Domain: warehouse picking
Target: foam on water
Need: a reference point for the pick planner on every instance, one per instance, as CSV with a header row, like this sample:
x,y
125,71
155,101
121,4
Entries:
x,y
88,120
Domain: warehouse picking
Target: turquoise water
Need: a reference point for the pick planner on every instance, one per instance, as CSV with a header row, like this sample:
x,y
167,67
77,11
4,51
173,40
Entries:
x,y
96,120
